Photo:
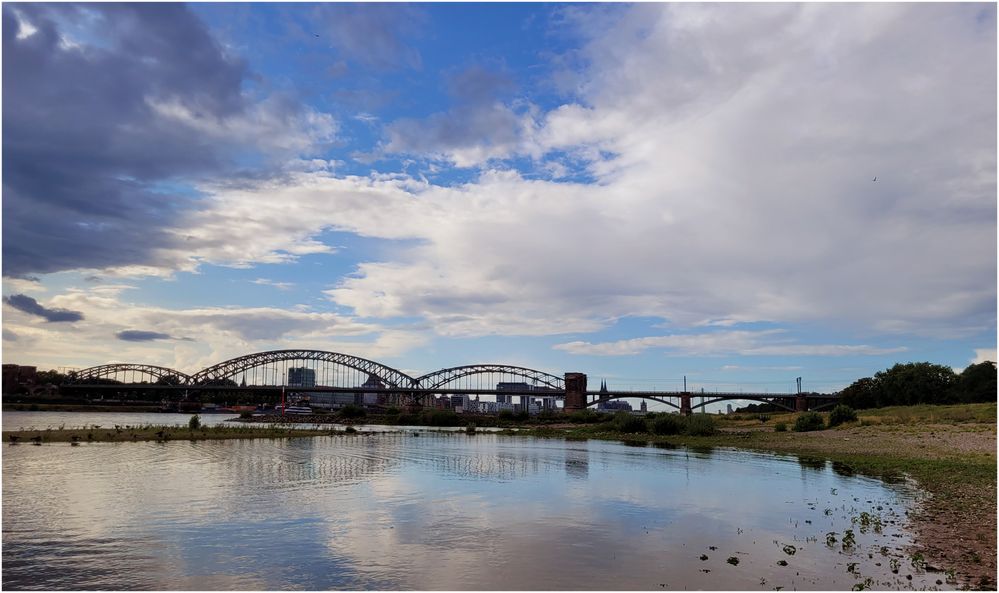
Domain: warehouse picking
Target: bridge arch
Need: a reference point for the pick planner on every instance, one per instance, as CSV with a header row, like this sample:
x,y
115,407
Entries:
x,y
439,379
649,397
232,368
130,370
772,401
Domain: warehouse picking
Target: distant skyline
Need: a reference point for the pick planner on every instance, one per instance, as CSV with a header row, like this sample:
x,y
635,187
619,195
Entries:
x,y
736,193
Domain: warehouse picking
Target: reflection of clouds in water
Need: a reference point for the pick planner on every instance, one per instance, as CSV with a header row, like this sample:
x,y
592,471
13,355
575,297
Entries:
x,y
436,512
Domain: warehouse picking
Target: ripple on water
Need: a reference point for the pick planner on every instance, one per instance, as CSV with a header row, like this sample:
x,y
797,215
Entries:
x,y
442,511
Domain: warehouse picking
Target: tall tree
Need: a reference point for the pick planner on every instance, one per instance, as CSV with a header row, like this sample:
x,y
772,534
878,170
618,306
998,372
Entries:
x,y
977,383
915,383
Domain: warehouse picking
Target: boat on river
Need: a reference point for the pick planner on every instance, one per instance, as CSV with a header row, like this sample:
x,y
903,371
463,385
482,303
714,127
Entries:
x,y
300,408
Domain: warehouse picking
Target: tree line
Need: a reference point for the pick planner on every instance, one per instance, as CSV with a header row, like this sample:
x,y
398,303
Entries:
x,y
914,383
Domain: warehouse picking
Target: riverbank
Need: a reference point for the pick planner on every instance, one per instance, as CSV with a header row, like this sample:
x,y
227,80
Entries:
x,y
949,451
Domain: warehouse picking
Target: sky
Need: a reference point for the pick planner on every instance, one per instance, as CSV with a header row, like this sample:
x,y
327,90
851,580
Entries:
x,y
738,194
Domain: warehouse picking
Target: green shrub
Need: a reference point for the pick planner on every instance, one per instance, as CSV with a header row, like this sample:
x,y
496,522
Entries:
x,y
840,414
547,415
194,423
584,417
808,421
627,423
408,419
668,424
392,411
350,430
700,425
521,416
352,411
246,414
764,418
470,429
780,427
506,415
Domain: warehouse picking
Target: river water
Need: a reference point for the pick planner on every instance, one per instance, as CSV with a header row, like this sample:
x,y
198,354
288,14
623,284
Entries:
x,y
441,511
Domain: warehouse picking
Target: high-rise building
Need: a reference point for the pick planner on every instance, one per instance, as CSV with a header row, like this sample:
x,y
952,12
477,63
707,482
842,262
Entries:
x,y
301,377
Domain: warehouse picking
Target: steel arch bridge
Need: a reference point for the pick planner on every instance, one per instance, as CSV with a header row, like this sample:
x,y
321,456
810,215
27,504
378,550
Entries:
x,y
661,400
114,370
232,368
439,379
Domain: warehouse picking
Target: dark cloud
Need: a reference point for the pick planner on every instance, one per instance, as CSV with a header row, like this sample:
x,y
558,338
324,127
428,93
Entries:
x,y
478,84
372,34
135,335
91,166
479,119
9,336
24,303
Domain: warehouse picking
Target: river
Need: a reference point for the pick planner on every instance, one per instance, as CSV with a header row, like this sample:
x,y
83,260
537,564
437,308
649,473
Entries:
x,y
442,511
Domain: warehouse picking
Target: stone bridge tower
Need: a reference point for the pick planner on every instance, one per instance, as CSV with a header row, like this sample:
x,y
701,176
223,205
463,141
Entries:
x,y
575,392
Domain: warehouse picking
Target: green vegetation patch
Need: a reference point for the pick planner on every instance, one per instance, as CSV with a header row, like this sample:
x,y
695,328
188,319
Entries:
x,y
809,421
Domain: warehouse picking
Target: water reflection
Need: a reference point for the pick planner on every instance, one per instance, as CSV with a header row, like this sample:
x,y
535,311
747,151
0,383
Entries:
x,y
443,511
812,463
577,462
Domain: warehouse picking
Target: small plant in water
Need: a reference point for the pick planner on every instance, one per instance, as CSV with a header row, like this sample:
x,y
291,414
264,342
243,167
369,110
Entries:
x,y
848,540
470,429
704,557
782,563
790,550
733,561
194,423
350,430
831,538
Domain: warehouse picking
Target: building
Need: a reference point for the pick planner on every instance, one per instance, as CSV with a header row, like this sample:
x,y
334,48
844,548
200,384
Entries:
x,y
458,403
613,406
370,395
15,376
301,377
644,407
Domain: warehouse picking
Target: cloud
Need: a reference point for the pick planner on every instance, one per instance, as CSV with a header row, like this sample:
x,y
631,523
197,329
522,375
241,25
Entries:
x,y
732,150
32,307
9,336
278,285
743,343
134,335
375,35
479,127
985,355
94,179
211,334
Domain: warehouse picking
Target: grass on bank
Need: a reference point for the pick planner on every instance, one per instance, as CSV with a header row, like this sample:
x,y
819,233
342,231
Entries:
x,y
148,432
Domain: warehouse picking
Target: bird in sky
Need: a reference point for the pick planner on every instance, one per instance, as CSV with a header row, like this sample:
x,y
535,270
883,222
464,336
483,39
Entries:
x,y
875,178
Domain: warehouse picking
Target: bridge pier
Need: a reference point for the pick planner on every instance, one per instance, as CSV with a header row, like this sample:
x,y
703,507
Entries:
x,y
800,403
575,392
685,409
